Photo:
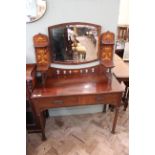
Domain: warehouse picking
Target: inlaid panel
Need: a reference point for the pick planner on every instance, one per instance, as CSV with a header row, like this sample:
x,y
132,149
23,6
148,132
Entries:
x,y
107,52
41,46
42,56
108,38
107,46
40,40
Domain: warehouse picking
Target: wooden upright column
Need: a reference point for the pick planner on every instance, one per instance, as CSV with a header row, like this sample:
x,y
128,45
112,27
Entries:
x,y
106,54
106,51
41,46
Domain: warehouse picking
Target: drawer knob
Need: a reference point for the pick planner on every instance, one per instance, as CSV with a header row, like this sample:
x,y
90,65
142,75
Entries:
x,y
58,102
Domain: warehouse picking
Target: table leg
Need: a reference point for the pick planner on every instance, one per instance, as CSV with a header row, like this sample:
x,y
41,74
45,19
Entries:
x,y
41,122
111,107
125,92
115,119
46,114
126,100
104,107
43,135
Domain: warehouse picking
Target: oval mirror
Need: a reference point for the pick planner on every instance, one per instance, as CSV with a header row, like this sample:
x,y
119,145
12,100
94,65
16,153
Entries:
x,y
35,9
74,43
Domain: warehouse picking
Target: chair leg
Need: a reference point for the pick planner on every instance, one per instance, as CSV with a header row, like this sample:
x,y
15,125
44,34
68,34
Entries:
x,y
126,100
125,97
111,107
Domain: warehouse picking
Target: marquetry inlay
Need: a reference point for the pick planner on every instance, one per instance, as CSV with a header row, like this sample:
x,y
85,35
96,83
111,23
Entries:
x,y
41,49
40,39
108,37
107,45
107,53
42,56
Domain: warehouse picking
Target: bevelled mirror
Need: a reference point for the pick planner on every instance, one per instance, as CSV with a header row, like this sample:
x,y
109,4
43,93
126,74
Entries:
x,y
74,43
35,9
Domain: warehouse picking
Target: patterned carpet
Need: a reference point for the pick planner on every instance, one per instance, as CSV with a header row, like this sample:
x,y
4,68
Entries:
x,y
88,134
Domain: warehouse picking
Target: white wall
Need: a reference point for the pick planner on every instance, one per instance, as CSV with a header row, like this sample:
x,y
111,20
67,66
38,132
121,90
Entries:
x,y
102,12
123,12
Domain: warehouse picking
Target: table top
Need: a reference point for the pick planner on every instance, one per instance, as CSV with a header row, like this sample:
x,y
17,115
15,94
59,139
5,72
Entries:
x,y
93,84
121,69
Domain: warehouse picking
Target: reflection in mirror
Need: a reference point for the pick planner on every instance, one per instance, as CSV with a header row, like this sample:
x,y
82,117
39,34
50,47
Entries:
x,y
74,43
35,9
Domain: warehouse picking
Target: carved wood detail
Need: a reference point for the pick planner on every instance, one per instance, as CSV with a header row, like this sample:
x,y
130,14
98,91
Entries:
x,y
42,51
107,37
40,40
107,46
41,45
59,72
42,56
73,87
107,52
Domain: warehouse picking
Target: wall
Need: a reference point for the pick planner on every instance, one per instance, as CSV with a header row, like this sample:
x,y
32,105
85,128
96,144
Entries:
x,y
102,12
123,12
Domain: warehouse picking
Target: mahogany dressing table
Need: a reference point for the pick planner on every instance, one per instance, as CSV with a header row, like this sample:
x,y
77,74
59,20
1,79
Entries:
x,y
82,86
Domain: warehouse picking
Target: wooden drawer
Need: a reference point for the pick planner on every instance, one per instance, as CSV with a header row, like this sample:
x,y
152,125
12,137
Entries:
x,y
53,102
98,99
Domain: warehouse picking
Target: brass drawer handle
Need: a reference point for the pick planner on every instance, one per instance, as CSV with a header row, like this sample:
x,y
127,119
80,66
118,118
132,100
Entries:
x,y
58,102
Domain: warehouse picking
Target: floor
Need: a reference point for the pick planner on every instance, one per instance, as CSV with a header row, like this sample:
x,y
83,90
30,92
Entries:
x,y
87,134
91,48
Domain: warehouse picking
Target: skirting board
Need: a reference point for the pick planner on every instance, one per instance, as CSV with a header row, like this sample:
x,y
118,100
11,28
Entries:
x,y
76,110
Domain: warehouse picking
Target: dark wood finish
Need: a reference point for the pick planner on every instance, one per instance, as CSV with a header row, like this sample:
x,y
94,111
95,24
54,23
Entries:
x,y
125,97
108,64
41,45
74,91
30,83
107,47
121,71
74,87
30,77
75,23
31,123
66,73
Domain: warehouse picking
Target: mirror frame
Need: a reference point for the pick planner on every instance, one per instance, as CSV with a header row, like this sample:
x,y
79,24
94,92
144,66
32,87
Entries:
x,y
36,19
98,27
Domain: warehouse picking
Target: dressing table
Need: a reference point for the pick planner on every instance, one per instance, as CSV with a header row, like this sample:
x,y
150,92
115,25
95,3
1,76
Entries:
x,y
65,87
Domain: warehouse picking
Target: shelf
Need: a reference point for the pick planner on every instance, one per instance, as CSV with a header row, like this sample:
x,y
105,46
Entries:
x,y
108,64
